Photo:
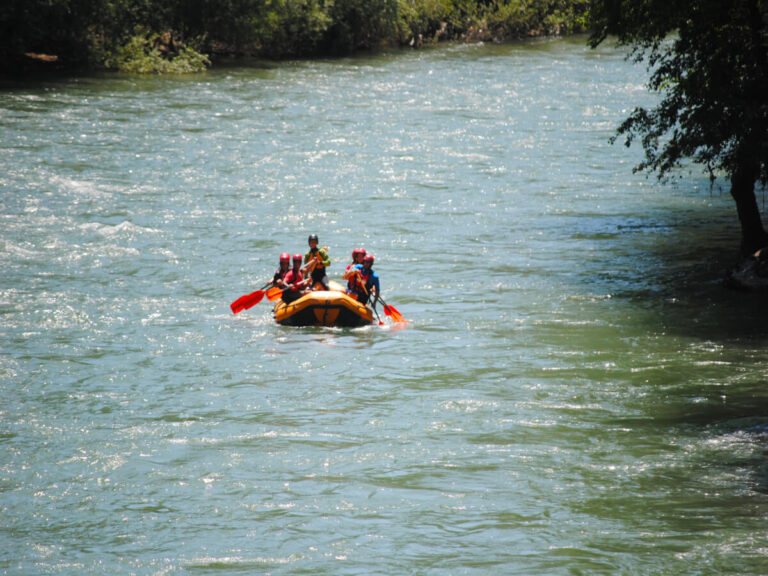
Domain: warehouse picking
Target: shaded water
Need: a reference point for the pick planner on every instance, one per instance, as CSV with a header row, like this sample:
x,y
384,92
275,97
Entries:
x,y
575,393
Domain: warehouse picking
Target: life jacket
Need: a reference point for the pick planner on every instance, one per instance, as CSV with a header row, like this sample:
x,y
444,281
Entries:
x,y
358,281
312,253
367,275
349,272
293,277
279,273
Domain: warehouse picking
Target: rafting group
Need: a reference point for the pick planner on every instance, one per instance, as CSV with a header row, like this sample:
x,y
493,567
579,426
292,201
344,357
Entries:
x,y
306,297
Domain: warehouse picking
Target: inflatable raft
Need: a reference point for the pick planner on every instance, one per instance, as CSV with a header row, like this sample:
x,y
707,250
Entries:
x,y
324,308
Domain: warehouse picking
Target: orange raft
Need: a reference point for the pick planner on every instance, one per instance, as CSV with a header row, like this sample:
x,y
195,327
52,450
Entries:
x,y
323,308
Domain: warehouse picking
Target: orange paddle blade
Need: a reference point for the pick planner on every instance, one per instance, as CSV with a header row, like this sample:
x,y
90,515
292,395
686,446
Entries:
x,y
274,293
246,301
394,313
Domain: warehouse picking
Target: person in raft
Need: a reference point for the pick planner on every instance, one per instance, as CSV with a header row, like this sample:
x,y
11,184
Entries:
x,y
294,281
364,281
316,260
285,263
357,258
351,274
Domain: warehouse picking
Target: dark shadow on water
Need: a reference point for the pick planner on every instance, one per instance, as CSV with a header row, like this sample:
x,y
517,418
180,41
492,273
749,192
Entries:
x,y
680,268
675,278
726,431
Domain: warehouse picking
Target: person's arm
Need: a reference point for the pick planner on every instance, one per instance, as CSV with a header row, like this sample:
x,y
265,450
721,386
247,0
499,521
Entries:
x,y
310,265
325,259
377,288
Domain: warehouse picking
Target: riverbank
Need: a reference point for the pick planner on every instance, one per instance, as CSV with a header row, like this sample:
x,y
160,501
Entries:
x,y
174,39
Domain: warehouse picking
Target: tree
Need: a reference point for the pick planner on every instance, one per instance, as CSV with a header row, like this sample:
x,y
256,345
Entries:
x,y
709,61
57,28
359,24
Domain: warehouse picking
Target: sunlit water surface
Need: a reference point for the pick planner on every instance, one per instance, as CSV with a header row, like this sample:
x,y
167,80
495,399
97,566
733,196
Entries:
x,y
575,392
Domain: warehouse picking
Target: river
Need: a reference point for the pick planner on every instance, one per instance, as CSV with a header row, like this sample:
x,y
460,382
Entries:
x,y
575,392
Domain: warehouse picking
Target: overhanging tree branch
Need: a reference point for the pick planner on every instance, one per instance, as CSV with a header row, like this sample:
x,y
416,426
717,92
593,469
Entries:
x,y
709,61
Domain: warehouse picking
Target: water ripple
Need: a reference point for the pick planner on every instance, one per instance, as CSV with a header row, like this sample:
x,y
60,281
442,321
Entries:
x,y
572,394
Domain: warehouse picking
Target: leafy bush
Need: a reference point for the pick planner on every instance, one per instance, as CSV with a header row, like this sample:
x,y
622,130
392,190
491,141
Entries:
x,y
123,34
425,19
433,20
359,25
142,55
290,27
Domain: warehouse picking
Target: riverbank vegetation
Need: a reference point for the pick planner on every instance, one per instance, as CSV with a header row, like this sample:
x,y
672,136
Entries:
x,y
708,59
187,35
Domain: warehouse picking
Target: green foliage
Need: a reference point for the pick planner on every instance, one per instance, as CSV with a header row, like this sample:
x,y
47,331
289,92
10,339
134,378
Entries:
x,y
713,76
105,31
569,16
422,18
359,24
516,18
291,27
224,25
489,19
142,55
57,27
708,59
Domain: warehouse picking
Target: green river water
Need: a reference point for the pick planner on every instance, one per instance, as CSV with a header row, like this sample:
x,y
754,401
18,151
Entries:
x,y
576,392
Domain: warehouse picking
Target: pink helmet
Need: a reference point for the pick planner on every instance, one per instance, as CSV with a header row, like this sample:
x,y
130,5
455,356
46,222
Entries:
x,y
368,258
285,257
297,258
356,251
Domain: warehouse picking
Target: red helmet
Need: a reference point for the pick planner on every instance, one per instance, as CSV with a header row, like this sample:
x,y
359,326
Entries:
x,y
285,257
297,258
357,251
368,258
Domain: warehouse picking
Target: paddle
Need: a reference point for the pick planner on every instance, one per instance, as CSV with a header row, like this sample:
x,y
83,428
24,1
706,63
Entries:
x,y
310,266
248,300
276,292
393,312
359,281
377,315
